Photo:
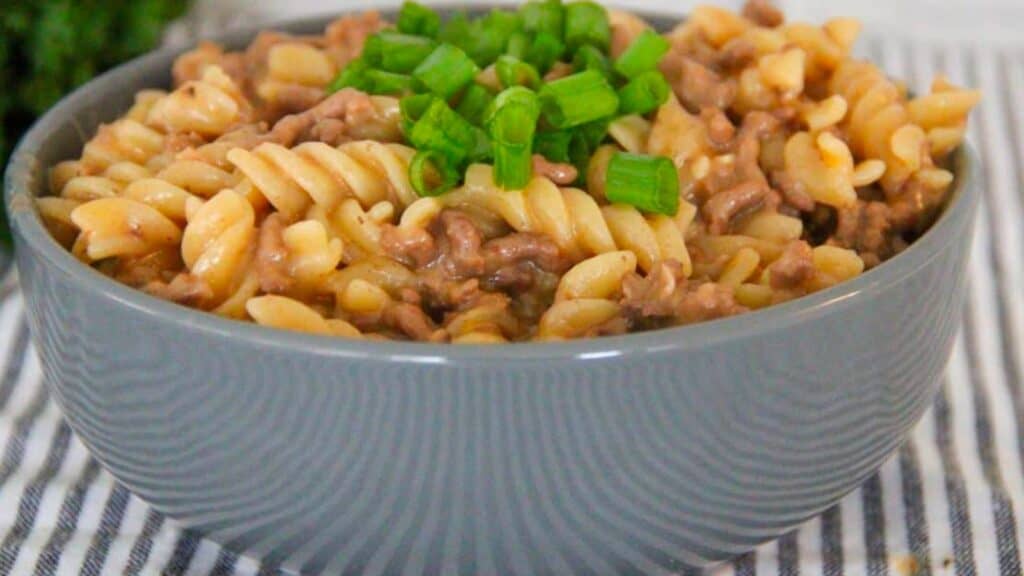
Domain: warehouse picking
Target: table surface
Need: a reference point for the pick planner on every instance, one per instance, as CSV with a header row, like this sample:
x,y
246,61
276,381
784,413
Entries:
x,y
950,501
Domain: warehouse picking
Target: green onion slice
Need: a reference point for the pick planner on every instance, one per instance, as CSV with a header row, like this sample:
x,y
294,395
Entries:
x,y
515,94
514,72
417,19
512,132
578,99
474,104
352,76
389,83
543,16
643,94
587,23
441,129
398,53
642,55
446,71
650,183
430,173
412,109
517,46
589,57
553,145
544,51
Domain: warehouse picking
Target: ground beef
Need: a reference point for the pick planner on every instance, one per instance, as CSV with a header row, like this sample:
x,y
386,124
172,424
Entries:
x,y
721,208
654,295
182,289
513,261
411,246
665,294
793,191
867,228
707,301
346,108
737,54
413,322
794,267
763,13
561,174
272,256
696,85
460,250
523,246
720,129
437,290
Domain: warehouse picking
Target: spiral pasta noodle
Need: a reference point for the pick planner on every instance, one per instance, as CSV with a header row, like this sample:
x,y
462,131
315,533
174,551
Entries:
x,y
879,122
315,173
126,140
943,115
217,245
295,65
208,106
113,227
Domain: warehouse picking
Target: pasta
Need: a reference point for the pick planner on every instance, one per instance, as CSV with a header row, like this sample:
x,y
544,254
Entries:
x,y
305,184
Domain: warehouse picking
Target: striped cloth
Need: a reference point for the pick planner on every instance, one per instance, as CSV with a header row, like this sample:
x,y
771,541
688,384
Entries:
x,y
949,502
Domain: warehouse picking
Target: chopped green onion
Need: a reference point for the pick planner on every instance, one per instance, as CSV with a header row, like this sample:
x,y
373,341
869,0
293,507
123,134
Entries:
x,y
589,57
593,133
543,16
352,76
474,103
650,183
518,44
586,139
553,145
430,173
580,152
413,108
482,149
388,82
578,99
514,72
644,93
419,20
512,131
446,71
642,55
441,129
457,30
501,25
587,23
489,36
398,53
545,50
515,94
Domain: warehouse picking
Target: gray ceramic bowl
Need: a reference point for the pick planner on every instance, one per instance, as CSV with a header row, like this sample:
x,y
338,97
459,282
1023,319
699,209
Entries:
x,y
639,454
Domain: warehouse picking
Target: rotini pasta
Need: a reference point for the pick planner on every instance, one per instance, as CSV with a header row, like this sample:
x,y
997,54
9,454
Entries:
x,y
287,185
314,172
208,106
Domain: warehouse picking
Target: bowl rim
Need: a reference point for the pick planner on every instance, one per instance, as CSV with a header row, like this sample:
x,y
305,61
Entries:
x,y
34,241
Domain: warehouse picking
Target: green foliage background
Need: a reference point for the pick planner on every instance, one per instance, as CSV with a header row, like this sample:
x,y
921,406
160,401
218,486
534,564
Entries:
x,y
48,47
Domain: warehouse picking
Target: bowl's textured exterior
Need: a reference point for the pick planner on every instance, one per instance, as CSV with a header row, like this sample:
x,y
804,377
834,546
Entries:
x,y
639,454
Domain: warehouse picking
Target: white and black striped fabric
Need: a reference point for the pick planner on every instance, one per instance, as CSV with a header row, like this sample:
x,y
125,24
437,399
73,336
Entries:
x,y
951,501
